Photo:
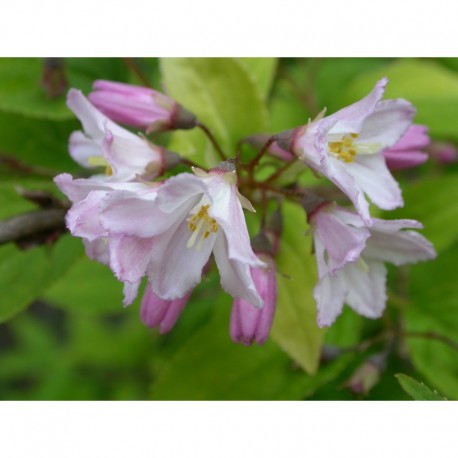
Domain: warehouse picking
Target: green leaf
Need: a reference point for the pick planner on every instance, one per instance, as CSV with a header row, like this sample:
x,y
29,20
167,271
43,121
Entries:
x,y
262,71
25,275
222,95
295,328
432,88
432,318
417,390
432,201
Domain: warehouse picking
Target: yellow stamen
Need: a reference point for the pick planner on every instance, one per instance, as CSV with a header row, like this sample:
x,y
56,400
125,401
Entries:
x,y
346,150
99,161
201,223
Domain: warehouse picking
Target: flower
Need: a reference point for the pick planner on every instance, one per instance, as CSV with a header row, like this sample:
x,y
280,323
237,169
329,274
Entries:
x,y
346,147
248,322
155,311
175,230
103,143
351,257
443,153
140,107
406,152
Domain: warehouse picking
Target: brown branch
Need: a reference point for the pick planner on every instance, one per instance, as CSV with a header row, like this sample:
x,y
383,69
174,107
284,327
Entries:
x,y
134,68
19,166
213,140
433,335
33,223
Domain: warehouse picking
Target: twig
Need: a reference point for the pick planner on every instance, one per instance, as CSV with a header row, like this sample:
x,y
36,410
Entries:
x,y
213,140
433,335
254,162
131,65
282,169
16,164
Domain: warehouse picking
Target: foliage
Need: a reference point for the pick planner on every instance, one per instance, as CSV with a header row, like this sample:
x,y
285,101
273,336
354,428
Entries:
x,y
63,331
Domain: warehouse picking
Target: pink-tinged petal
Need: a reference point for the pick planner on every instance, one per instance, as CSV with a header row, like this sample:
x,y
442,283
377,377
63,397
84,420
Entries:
x,y
83,218
129,257
122,88
343,243
235,276
351,118
227,211
343,179
366,287
389,243
329,294
373,177
98,250
388,123
444,153
172,314
397,160
130,292
82,148
174,268
250,323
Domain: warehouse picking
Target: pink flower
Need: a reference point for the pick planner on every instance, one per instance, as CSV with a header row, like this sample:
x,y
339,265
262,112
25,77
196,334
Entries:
x,y
103,143
159,312
140,107
249,322
444,153
406,153
171,236
346,148
351,259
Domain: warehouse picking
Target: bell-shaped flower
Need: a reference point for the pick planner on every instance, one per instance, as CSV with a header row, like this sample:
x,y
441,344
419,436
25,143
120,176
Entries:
x,y
140,107
103,143
407,152
347,146
171,237
162,313
250,323
351,257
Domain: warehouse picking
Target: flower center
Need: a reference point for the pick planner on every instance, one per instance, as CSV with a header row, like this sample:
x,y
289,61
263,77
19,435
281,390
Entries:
x,y
201,223
345,149
99,161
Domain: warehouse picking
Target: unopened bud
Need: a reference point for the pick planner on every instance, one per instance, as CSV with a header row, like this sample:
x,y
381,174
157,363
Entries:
x,y
444,153
140,107
367,375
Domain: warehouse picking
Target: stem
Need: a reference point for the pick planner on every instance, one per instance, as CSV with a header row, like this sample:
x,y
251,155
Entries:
x,y
282,169
131,65
190,163
213,140
433,335
261,153
16,164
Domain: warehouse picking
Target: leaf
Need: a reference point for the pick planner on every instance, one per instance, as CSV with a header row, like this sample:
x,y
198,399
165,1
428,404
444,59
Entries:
x,y
432,201
25,275
417,390
432,312
262,71
222,95
432,88
295,328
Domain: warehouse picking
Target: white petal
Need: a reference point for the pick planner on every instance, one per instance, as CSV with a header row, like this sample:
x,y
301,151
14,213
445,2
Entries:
x,y
235,276
329,294
130,291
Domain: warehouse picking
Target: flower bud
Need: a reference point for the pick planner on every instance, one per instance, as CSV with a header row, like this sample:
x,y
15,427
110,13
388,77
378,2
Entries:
x,y
406,152
367,375
140,107
444,153
155,311
250,323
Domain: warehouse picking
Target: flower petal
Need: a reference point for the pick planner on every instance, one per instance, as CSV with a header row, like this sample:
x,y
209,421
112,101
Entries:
x,y
329,294
130,291
235,276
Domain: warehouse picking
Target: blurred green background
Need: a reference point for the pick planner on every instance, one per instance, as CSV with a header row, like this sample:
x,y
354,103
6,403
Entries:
x,y
63,331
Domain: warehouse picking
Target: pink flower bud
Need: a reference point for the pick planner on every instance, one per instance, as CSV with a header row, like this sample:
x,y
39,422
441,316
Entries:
x,y
140,107
406,152
444,153
159,312
248,322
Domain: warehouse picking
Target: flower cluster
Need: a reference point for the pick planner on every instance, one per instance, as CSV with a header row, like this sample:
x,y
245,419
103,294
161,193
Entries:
x,y
143,225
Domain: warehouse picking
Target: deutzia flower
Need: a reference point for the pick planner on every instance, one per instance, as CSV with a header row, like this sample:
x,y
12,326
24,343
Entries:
x,y
171,236
351,259
347,146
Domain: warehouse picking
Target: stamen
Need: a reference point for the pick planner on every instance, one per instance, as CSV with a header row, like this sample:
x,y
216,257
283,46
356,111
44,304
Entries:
x,y
346,150
201,223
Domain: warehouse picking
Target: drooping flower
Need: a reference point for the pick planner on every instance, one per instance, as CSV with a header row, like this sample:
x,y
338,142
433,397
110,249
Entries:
x,y
140,107
103,143
351,257
172,236
407,152
347,146
250,323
